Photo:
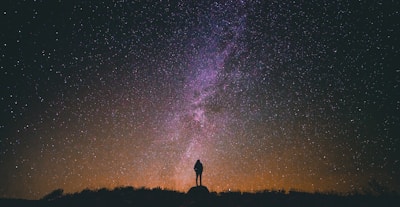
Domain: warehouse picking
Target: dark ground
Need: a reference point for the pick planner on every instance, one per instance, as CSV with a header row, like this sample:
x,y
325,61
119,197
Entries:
x,y
200,196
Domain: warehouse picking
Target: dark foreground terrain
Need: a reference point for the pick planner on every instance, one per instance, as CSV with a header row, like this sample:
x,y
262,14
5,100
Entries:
x,y
200,196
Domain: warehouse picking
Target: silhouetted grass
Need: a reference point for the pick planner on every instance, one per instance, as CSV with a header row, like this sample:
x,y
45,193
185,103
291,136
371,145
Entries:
x,y
143,197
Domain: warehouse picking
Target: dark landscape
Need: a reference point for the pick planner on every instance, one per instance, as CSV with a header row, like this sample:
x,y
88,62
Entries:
x,y
199,196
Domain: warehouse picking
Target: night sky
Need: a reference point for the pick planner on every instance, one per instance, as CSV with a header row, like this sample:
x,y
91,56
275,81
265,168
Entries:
x,y
268,95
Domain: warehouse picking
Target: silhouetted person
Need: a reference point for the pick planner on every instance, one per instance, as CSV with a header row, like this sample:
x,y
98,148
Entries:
x,y
198,168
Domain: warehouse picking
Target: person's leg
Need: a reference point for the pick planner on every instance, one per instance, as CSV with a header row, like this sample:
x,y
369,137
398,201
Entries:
x,y
200,179
197,176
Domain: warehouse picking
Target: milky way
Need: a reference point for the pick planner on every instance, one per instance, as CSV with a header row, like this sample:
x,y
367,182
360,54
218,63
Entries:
x,y
268,95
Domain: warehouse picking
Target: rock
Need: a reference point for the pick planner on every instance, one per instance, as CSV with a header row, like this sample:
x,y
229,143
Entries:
x,y
198,192
198,196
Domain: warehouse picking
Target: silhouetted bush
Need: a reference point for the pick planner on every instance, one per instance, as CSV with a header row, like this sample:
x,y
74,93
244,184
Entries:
x,y
55,194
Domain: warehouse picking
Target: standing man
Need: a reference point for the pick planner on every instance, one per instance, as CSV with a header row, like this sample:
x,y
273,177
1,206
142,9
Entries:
x,y
198,168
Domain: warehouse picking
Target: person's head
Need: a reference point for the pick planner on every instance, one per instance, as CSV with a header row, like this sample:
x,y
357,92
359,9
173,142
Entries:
x,y
198,161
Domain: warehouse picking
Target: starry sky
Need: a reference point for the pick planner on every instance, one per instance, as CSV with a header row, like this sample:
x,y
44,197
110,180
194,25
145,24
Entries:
x,y
267,94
